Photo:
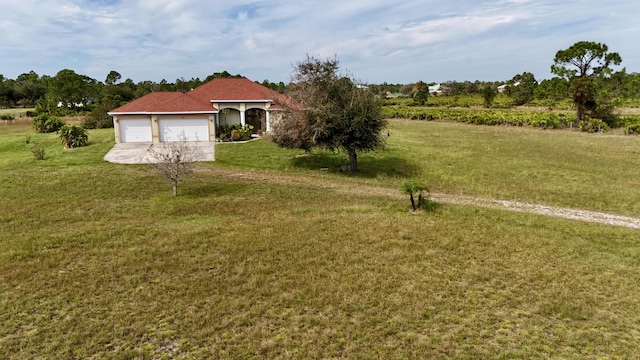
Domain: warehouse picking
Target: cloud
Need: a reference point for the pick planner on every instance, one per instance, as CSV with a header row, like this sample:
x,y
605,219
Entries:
x,y
376,40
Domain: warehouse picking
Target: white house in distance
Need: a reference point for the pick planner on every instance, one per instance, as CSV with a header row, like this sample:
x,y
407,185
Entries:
x,y
435,89
193,116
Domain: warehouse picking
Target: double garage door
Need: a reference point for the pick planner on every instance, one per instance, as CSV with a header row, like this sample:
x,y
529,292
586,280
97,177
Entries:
x,y
139,130
184,129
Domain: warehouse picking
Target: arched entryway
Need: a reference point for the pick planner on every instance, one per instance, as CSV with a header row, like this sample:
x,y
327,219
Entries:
x,y
229,117
257,118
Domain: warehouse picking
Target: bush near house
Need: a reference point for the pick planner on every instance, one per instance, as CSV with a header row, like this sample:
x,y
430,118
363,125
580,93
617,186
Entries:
x,y
45,123
234,132
73,136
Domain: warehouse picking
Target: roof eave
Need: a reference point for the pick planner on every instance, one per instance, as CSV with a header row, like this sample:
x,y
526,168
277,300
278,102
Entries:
x,y
241,101
161,112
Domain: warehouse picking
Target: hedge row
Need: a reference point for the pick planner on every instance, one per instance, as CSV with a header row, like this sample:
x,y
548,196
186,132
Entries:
x,y
552,120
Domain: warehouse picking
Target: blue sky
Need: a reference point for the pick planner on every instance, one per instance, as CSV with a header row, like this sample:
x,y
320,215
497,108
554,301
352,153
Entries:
x,y
375,40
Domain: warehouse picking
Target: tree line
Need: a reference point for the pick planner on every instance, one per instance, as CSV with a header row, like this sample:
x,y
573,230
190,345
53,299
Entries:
x,y
77,90
583,75
69,92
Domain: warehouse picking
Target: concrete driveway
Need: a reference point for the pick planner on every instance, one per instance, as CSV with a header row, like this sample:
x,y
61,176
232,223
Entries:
x,y
142,152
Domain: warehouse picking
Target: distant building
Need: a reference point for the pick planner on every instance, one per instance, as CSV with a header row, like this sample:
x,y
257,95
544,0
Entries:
x,y
435,89
502,88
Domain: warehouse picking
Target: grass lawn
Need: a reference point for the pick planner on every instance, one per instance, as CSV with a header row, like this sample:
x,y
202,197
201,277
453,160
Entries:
x,y
98,260
562,168
17,112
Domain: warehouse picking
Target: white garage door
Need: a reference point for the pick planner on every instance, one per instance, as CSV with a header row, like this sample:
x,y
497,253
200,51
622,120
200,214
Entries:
x,y
135,130
187,129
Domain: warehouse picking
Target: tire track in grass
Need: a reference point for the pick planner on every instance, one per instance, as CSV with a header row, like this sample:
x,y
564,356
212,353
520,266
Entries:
x,y
359,189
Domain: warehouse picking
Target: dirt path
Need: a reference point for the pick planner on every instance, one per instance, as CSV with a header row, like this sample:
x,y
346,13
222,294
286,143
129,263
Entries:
x,y
359,189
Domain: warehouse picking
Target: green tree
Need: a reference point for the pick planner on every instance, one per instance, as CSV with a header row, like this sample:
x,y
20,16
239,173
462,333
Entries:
x,y
113,78
336,112
71,89
413,188
450,88
145,87
45,123
6,91
223,74
632,86
554,89
28,88
522,87
421,96
488,94
472,87
581,64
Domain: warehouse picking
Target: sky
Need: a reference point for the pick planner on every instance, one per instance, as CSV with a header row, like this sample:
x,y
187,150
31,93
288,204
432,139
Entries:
x,y
375,41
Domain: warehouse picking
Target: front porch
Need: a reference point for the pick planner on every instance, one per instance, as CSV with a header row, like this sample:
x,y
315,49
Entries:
x,y
254,114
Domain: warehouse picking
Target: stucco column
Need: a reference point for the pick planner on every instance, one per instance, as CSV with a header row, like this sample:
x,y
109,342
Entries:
x,y
212,127
155,130
242,118
267,121
116,128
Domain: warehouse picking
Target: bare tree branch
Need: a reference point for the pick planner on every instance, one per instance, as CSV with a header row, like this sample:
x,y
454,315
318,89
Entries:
x,y
173,161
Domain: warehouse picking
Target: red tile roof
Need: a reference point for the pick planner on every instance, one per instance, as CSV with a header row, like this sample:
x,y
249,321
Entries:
x,y
199,100
235,89
166,102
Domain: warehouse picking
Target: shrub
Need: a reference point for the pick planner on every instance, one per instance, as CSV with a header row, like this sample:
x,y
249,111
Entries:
x,y
223,132
99,119
633,129
420,97
413,188
38,151
73,136
593,125
234,132
44,123
236,135
605,112
97,122
7,117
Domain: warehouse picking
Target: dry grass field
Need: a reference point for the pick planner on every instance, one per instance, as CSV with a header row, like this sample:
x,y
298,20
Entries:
x,y
265,255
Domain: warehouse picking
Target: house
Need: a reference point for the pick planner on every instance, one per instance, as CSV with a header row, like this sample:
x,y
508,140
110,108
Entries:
x,y
503,88
193,116
435,89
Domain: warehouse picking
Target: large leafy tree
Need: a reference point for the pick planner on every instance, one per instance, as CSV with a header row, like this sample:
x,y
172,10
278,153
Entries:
x,y
29,87
521,88
113,78
488,94
582,64
554,89
72,89
331,111
6,91
420,92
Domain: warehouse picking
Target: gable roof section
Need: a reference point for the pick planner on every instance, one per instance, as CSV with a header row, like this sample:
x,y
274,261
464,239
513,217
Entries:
x,y
166,103
237,90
